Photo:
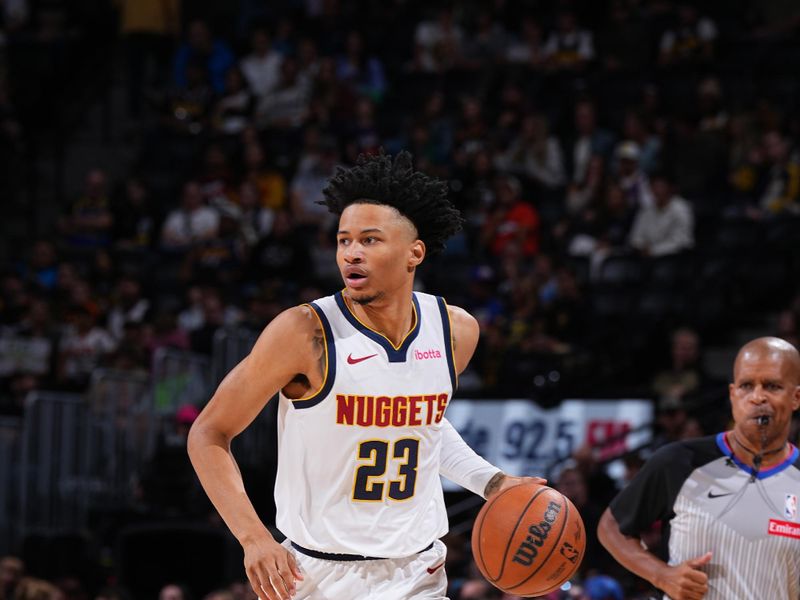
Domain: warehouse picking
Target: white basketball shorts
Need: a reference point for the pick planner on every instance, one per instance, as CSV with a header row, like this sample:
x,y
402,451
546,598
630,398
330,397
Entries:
x,y
417,577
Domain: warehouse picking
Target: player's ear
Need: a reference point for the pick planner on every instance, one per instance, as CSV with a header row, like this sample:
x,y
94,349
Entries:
x,y
796,398
416,254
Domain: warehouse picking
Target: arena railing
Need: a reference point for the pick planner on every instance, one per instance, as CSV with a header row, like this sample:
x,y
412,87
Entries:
x,y
52,482
120,434
10,450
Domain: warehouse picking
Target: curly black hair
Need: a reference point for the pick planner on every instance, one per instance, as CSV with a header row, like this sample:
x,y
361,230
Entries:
x,y
380,180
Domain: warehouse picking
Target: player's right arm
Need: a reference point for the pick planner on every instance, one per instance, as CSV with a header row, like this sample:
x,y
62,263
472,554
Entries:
x,y
680,582
289,347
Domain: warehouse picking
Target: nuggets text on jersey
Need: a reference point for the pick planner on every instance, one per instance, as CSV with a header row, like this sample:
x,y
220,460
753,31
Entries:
x,y
390,411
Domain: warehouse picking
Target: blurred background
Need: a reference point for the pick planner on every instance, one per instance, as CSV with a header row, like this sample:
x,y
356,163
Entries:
x,y
629,171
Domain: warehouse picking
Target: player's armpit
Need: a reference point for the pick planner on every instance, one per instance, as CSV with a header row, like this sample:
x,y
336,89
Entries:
x,y
288,346
466,332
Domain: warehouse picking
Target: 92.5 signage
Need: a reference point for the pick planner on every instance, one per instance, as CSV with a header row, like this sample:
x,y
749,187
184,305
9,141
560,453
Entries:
x,y
523,439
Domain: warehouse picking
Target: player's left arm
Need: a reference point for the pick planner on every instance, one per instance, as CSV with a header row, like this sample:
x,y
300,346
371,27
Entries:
x,y
459,462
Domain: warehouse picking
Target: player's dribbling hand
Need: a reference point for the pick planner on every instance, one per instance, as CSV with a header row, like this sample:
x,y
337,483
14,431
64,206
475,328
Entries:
x,y
508,481
686,581
271,568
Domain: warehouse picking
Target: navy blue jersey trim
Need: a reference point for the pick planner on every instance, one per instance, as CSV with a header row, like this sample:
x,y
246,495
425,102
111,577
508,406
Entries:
x,y
330,366
399,354
344,557
449,351
723,445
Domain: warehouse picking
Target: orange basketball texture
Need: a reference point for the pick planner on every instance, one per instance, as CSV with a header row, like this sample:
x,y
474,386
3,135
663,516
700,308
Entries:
x,y
528,539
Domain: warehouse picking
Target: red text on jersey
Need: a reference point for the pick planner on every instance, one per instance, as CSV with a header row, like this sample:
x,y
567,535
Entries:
x,y
390,411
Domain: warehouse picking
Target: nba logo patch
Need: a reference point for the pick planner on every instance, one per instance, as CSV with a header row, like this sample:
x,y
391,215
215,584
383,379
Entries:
x,y
790,507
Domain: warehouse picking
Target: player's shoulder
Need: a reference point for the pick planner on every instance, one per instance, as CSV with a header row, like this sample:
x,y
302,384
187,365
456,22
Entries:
x,y
460,317
292,327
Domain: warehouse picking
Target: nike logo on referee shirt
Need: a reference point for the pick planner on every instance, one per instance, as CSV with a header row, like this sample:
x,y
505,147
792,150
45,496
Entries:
x,y
433,570
713,495
354,361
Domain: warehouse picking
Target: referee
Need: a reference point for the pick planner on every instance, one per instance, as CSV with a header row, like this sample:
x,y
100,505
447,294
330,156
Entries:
x,y
729,502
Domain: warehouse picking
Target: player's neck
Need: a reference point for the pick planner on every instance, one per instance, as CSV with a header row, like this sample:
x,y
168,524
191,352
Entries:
x,y
746,450
391,316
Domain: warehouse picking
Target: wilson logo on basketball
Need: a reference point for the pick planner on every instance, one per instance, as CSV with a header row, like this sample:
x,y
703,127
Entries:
x,y
537,534
427,354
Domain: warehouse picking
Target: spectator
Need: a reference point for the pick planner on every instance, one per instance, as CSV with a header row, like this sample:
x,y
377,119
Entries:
x,y
589,140
233,111
163,332
486,45
12,570
28,352
535,154
29,588
600,231
438,43
82,349
528,49
632,180
572,483
602,587
209,54
127,306
132,213
667,226
42,267
781,190
306,188
363,73
636,129
362,134
281,255
512,224
713,116
174,591
190,224
89,222
691,41
262,66
684,376
568,47
216,177
286,106
270,183
255,220
186,109
308,61
587,193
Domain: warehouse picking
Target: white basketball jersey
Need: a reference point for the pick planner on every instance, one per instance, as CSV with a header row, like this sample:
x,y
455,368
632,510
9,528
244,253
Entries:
x,y
358,461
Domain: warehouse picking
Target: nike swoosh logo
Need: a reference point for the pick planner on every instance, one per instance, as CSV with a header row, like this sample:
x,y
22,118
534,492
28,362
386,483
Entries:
x,y
433,570
713,495
355,361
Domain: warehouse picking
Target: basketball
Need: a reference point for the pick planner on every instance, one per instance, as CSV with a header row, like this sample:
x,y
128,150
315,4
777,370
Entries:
x,y
528,540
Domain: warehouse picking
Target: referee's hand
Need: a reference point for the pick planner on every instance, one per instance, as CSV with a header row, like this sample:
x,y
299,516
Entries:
x,y
686,581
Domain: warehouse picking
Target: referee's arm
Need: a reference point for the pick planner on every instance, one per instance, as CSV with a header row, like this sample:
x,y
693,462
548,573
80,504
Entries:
x,y
681,582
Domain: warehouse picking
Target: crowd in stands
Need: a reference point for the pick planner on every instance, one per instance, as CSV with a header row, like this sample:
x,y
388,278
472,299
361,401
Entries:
x,y
628,170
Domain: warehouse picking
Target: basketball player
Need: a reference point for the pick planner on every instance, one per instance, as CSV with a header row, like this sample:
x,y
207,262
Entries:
x,y
364,378
728,502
